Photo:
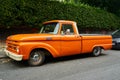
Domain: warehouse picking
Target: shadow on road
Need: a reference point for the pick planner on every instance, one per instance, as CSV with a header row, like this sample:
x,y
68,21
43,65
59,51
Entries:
x,y
115,49
69,58
50,60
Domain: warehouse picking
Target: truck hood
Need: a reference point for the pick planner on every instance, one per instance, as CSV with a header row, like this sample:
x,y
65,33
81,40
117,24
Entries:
x,y
29,37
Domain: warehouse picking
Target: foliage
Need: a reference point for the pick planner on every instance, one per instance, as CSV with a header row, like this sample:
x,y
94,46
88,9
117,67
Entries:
x,y
34,12
109,5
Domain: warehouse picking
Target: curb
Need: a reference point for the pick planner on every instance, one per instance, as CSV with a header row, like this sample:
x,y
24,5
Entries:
x,y
2,53
3,57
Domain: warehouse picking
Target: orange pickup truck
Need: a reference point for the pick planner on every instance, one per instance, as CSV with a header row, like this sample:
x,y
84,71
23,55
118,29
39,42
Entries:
x,y
56,38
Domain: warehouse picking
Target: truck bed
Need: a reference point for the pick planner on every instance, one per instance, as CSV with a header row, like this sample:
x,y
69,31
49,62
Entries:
x,y
91,35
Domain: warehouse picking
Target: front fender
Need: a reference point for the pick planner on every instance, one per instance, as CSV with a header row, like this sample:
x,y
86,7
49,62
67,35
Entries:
x,y
26,49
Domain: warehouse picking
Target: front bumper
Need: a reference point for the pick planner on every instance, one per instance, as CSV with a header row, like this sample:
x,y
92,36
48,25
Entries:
x,y
13,55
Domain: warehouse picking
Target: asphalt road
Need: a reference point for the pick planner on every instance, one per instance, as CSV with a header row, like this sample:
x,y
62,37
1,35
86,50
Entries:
x,y
80,67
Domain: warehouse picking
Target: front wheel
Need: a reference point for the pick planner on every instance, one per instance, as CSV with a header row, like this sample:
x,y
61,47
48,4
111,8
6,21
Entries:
x,y
36,58
96,51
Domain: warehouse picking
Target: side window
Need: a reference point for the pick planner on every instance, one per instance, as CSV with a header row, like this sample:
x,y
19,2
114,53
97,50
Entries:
x,y
67,29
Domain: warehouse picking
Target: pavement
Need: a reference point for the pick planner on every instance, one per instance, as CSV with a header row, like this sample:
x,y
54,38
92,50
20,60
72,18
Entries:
x,y
2,53
79,67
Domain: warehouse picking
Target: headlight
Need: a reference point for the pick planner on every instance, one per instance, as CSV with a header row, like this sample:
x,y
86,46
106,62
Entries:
x,y
16,48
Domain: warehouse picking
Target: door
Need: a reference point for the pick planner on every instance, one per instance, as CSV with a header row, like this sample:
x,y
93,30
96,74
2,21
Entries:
x,y
70,42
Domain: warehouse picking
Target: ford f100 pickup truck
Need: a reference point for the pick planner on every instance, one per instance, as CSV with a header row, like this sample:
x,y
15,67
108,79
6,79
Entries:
x,y
56,38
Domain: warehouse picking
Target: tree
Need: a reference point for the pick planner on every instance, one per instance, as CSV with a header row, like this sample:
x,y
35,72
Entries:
x,y
109,5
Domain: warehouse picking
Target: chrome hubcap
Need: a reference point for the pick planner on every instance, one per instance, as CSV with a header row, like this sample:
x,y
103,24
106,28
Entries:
x,y
36,57
97,51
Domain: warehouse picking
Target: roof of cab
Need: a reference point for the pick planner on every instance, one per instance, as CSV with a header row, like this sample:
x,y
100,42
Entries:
x,y
63,21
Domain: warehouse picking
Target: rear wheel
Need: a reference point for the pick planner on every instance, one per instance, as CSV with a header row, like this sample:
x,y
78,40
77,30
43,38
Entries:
x,y
96,51
36,58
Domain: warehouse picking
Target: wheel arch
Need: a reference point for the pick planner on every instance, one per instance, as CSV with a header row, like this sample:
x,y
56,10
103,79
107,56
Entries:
x,y
49,50
46,52
97,46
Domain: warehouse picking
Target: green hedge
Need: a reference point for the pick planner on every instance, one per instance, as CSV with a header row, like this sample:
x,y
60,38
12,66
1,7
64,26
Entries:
x,y
34,12
109,5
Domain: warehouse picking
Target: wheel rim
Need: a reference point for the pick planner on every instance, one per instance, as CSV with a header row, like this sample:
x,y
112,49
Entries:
x,y
36,57
97,51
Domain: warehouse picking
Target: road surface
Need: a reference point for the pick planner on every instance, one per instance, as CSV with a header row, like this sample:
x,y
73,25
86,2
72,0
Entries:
x,y
80,67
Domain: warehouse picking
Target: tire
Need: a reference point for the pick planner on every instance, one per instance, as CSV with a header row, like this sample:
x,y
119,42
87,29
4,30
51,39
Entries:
x,y
96,51
37,57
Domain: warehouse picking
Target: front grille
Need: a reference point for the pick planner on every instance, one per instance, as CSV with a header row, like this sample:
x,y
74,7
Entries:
x,y
11,45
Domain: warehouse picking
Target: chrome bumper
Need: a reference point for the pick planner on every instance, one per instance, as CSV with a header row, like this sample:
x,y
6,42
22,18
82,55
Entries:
x,y
13,55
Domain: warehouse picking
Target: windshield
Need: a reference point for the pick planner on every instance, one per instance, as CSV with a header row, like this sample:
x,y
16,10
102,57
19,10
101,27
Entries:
x,y
116,34
51,28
